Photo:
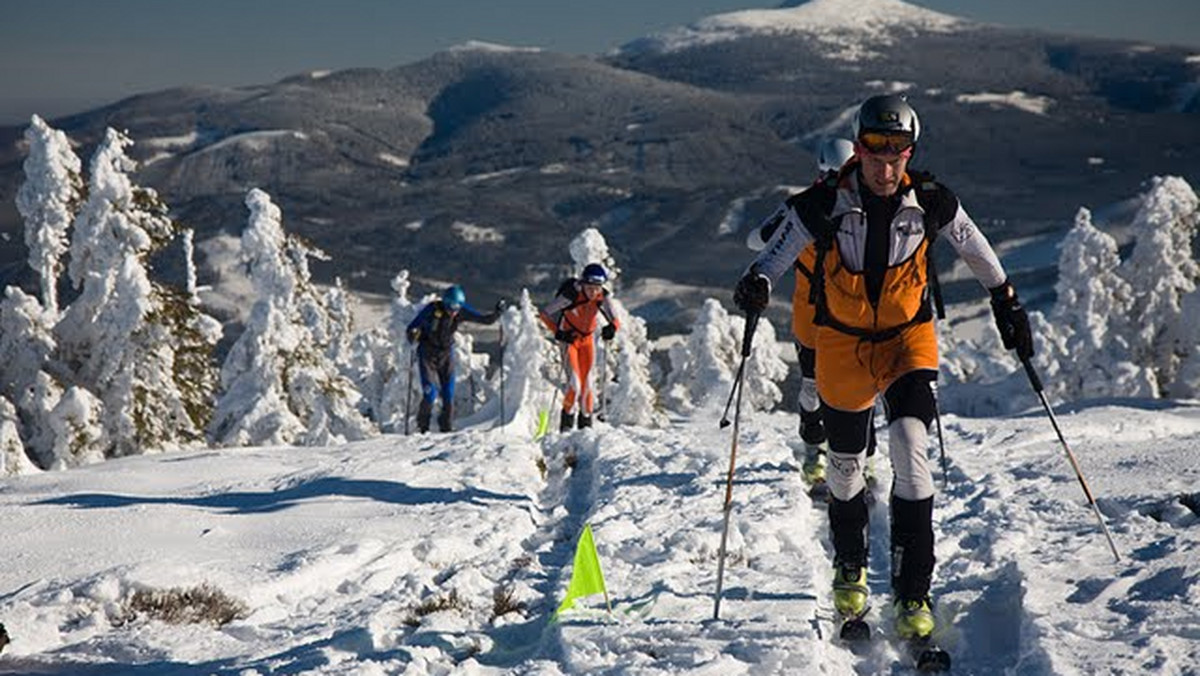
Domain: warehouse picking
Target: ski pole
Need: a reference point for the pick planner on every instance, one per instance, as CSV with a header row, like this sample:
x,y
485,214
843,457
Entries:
x,y
937,417
603,381
751,323
1036,383
501,421
747,338
412,361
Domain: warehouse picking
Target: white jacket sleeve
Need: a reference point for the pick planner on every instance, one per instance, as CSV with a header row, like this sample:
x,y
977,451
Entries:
x,y
785,245
974,249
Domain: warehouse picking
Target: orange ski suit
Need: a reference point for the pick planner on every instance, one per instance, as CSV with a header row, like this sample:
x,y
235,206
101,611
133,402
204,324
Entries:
x,y
573,315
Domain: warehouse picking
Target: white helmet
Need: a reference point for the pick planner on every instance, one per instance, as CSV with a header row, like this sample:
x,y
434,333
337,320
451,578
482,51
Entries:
x,y
833,153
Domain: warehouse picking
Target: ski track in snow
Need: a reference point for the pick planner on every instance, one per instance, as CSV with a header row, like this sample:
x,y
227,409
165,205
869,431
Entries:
x,y
335,549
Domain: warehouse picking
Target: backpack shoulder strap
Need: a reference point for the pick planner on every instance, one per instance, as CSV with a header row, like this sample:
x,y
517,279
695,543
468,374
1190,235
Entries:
x,y
928,195
567,288
815,208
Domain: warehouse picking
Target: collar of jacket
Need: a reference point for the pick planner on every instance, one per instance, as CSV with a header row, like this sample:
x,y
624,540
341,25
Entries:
x,y
848,200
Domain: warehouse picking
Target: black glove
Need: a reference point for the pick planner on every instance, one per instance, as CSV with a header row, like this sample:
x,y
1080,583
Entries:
x,y
1012,321
752,293
413,335
608,332
502,305
564,336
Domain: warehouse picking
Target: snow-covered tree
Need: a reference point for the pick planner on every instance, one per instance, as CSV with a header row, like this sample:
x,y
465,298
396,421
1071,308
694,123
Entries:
x,y
75,429
1161,271
703,368
393,386
13,460
122,336
472,388
278,384
26,341
1091,311
765,368
528,359
631,399
48,201
590,246
189,262
340,325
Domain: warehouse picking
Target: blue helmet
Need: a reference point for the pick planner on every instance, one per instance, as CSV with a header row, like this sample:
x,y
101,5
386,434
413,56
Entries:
x,y
453,297
594,273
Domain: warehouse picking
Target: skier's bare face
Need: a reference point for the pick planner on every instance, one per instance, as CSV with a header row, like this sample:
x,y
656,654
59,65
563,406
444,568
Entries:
x,y
882,172
592,291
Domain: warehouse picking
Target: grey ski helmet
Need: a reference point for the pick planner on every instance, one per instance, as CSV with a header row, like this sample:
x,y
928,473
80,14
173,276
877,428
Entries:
x,y
887,113
833,153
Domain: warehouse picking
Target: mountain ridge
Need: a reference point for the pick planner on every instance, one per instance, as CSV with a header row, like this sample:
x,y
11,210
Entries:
x,y
670,154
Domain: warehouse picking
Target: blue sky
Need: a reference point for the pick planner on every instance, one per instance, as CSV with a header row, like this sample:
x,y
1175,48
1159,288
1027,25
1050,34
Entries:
x,y
61,56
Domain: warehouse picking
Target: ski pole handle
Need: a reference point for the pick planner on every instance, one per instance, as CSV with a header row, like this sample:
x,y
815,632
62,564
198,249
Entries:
x,y
748,336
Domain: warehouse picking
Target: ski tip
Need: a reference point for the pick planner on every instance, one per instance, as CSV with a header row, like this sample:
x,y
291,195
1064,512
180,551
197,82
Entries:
x,y
930,659
855,630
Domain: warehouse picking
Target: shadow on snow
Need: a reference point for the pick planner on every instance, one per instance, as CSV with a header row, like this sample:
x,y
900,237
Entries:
x,y
272,501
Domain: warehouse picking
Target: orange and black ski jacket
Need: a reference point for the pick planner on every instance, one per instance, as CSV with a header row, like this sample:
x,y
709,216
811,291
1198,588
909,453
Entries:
x,y
831,216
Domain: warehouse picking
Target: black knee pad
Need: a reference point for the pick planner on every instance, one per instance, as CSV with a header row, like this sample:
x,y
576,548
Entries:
x,y
911,396
808,361
847,432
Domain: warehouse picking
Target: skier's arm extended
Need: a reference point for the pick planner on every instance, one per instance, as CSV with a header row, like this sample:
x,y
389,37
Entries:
x,y
966,238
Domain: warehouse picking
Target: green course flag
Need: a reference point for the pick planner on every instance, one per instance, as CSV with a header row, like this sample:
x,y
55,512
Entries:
x,y
586,577
543,425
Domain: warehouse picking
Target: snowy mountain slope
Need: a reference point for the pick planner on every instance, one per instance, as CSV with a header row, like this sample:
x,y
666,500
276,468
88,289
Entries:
x,y
386,167
334,550
852,30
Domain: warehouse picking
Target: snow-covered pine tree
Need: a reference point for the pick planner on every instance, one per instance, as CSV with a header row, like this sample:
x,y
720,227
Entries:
x,y
49,200
472,389
765,368
75,427
632,399
26,341
1092,314
278,385
528,357
13,460
703,368
122,335
1161,271
398,386
590,246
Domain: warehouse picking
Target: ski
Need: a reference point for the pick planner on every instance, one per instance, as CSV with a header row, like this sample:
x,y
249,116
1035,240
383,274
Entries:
x,y
819,492
928,657
855,630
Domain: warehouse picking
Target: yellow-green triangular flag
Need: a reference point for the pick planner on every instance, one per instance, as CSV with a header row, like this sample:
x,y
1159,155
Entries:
x,y
586,577
543,425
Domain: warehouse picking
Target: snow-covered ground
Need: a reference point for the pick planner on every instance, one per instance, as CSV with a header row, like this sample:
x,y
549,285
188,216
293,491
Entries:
x,y
341,554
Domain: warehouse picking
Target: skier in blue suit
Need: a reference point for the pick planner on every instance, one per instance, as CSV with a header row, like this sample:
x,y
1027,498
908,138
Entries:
x,y
433,332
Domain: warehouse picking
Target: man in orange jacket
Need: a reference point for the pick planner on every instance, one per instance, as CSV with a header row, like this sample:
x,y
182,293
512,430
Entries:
x,y
571,315
873,225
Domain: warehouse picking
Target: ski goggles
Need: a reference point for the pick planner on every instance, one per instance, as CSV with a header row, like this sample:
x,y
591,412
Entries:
x,y
885,142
